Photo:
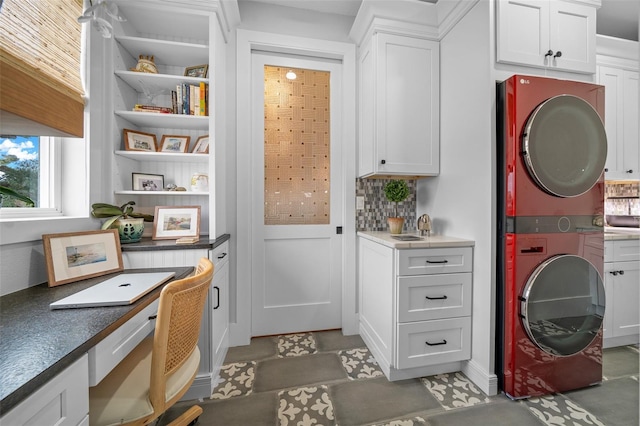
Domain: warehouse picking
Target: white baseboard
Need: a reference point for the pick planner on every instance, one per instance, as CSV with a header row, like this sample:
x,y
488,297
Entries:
x,y
201,388
487,382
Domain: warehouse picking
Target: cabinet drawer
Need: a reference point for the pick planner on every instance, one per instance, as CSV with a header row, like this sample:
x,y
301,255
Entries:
x,y
104,356
434,261
220,256
434,297
433,342
626,250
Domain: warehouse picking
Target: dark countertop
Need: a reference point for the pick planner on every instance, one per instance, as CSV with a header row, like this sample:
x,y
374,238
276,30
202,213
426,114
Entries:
x,y
37,343
147,244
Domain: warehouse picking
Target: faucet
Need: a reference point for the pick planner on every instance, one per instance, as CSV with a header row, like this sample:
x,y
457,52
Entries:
x,y
424,224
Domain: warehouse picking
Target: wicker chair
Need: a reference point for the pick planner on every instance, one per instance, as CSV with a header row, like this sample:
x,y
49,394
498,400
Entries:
x,y
159,371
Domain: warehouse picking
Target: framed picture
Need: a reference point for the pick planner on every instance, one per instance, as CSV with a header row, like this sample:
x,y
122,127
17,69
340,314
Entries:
x,y
146,182
75,256
202,145
135,140
173,222
174,143
197,71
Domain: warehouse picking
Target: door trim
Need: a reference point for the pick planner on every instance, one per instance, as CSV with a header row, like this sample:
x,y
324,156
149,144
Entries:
x,y
248,41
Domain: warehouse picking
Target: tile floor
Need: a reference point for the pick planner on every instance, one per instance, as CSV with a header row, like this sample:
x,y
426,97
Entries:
x,y
325,378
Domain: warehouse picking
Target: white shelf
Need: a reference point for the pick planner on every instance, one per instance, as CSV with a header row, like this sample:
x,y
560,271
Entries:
x,y
182,157
156,193
144,82
152,119
166,52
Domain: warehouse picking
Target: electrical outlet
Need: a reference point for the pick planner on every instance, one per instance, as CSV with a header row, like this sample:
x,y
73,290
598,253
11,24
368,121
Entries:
x,y
360,202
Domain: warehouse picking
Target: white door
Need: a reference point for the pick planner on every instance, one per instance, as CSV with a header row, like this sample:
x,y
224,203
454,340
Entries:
x,y
296,205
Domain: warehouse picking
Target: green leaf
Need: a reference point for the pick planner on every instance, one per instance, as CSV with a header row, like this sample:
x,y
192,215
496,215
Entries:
x,y
8,192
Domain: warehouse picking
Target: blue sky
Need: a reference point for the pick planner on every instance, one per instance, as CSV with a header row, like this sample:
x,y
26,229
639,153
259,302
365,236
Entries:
x,y
25,148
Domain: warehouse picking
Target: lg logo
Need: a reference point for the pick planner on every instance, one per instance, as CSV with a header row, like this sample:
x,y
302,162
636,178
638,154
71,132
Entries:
x,y
523,81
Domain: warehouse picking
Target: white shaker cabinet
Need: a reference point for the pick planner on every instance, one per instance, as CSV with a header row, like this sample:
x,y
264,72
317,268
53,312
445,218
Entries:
x,y
622,287
553,34
415,307
398,106
621,121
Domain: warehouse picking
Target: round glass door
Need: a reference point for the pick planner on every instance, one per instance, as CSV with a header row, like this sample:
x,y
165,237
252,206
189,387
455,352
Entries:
x,y
565,146
562,305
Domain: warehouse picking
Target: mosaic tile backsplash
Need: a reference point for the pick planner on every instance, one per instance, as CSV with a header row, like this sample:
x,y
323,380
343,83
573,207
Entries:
x,y
622,199
377,208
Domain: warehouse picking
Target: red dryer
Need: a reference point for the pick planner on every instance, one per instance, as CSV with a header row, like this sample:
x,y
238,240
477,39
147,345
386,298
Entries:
x,y
551,152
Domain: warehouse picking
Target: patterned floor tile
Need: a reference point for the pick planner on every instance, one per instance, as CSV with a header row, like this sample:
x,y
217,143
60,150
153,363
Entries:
x,y
416,421
236,379
454,390
305,406
296,345
556,410
360,364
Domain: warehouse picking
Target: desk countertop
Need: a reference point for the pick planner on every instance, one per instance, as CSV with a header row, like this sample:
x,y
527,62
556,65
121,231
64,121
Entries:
x,y
37,343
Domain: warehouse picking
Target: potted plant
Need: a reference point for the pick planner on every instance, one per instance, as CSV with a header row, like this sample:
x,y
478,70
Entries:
x,y
396,191
130,225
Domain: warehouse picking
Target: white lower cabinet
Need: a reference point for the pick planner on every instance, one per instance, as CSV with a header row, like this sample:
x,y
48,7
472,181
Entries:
x,y
63,401
622,287
415,307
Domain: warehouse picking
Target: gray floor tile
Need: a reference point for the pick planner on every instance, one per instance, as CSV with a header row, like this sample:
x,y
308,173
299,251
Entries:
x,y
376,400
620,361
334,340
500,413
260,348
283,373
614,402
252,410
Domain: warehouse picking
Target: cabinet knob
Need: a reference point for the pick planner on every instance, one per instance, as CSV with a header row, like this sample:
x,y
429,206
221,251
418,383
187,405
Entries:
x,y
621,272
614,273
549,53
558,54
630,171
383,161
606,169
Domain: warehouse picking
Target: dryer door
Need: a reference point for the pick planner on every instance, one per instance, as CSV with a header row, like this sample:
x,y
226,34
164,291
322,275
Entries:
x,y
565,146
563,304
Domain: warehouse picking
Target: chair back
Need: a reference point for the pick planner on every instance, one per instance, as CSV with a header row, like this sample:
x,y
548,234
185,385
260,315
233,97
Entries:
x,y
177,328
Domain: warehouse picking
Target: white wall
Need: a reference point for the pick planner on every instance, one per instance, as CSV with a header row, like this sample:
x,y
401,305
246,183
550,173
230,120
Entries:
x,y
461,200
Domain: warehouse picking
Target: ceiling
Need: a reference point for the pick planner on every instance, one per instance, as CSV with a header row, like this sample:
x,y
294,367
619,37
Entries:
x,y
616,18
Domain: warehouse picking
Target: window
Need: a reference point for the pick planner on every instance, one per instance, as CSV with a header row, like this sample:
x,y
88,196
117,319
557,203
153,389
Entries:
x,y
27,166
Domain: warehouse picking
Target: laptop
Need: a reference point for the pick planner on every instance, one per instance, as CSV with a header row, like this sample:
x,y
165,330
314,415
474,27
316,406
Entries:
x,y
123,289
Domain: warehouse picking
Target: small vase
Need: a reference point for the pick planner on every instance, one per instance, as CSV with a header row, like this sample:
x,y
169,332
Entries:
x,y
130,229
395,225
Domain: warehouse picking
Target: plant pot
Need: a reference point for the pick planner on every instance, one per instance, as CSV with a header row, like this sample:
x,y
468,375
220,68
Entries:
x,y
395,225
130,229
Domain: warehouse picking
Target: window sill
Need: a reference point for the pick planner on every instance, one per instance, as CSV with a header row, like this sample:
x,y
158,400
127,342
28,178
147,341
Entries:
x,y
21,230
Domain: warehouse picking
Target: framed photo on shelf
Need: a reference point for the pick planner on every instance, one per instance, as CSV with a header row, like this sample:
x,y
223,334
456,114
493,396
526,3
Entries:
x,y
135,140
197,71
173,222
174,143
202,145
146,182
75,256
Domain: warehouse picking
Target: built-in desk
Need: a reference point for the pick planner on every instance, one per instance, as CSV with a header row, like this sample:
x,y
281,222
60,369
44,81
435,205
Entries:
x,y
37,343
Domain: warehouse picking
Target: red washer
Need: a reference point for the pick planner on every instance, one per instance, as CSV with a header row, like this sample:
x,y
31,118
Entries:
x,y
551,153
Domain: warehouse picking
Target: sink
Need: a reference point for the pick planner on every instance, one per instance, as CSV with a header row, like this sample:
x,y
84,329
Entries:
x,y
407,237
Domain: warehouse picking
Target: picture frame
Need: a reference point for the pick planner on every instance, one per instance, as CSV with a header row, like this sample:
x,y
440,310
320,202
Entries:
x,y
202,145
75,256
174,143
199,71
147,182
173,222
135,140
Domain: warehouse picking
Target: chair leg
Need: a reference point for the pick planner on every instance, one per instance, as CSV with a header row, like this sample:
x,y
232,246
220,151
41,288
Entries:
x,y
187,417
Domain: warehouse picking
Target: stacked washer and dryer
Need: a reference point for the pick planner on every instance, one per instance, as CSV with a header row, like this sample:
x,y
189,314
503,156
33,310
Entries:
x,y
551,153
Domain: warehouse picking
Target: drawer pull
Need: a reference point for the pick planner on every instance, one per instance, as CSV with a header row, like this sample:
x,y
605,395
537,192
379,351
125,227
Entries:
x,y
437,298
444,342
438,261
152,317
217,289
221,256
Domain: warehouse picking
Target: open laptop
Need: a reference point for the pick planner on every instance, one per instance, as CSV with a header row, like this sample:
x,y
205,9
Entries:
x,y
123,289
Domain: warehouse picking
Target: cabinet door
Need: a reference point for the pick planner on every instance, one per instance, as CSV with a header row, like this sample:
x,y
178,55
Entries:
x,y
366,111
522,31
220,314
630,134
407,105
612,80
626,293
573,33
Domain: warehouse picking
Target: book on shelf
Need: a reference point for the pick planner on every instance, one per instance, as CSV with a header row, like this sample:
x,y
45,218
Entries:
x,y
152,108
187,240
202,97
190,99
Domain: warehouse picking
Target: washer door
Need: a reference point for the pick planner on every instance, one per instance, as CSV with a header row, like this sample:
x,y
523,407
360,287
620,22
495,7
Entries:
x,y
563,304
565,146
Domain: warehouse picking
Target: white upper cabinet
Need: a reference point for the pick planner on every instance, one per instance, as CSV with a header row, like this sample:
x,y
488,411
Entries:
x,y
398,106
552,34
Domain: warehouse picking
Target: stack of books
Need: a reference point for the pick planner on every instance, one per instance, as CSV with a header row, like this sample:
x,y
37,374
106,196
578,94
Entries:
x,y
152,108
191,99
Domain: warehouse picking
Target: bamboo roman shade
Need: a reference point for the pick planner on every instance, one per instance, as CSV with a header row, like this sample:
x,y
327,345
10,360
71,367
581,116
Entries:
x,y
40,87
